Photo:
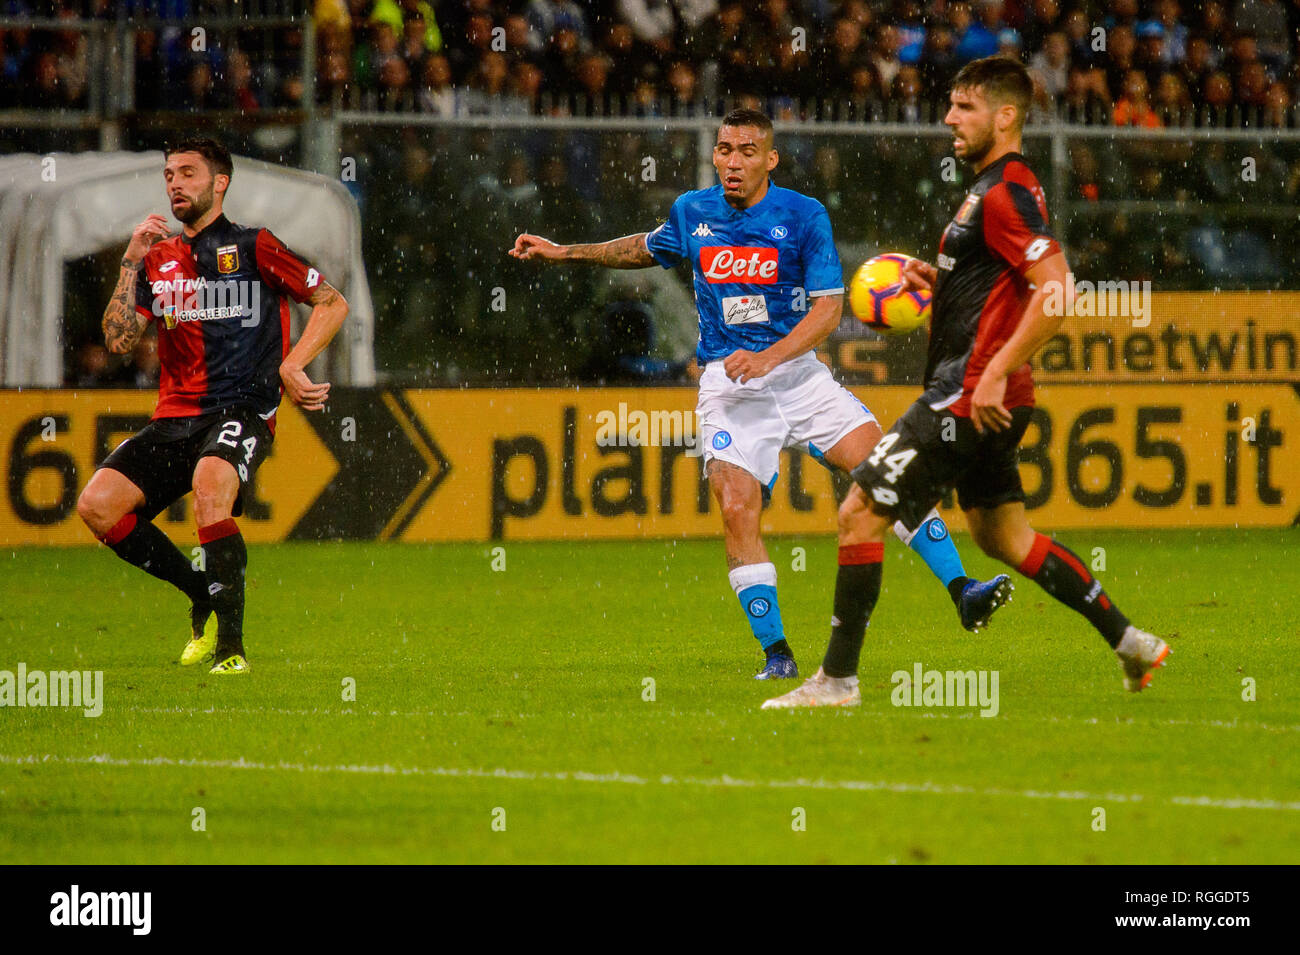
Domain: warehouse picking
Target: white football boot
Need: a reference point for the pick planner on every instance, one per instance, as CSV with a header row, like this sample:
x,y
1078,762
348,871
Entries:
x,y
819,690
1139,653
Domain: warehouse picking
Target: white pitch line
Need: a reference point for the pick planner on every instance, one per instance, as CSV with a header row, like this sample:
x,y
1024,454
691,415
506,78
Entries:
x,y
719,782
928,714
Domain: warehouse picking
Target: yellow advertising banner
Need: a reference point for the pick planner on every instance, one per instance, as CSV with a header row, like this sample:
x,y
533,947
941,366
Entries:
x,y
603,463
1123,332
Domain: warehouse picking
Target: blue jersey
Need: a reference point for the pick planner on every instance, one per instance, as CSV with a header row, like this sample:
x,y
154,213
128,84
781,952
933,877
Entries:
x,y
756,270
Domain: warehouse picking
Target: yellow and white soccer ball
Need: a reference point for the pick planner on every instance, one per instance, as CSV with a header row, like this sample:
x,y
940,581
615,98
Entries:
x,y
877,297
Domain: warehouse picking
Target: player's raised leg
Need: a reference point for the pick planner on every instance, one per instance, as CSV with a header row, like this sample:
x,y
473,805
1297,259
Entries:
x,y
216,487
975,600
110,506
751,571
1004,532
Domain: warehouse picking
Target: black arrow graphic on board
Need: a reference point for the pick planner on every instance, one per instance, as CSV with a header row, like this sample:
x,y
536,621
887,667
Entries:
x,y
386,473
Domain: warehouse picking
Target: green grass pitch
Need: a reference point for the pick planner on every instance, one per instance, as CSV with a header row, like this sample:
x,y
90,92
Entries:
x,y
517,698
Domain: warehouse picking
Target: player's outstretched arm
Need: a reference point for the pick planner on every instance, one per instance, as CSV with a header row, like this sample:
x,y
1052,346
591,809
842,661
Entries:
x,y
629,252
123,325
329,308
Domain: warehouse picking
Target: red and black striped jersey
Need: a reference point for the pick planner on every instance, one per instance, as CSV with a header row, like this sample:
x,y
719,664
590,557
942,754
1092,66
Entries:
x,y
223,329
997,236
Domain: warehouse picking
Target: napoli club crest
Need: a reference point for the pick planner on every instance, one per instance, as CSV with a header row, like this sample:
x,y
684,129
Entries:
x,y
721,441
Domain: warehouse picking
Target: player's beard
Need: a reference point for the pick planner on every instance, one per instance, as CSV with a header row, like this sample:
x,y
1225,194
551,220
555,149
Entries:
x,y
977,149
197,208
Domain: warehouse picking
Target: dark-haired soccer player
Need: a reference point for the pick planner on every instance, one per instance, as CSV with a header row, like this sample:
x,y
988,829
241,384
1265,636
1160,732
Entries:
x,y
996,259
223,341
758,252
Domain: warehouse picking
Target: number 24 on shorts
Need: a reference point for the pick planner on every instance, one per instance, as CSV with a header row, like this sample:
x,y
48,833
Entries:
x,y
229,432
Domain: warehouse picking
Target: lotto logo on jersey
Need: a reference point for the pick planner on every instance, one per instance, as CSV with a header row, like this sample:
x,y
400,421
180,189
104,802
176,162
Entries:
x,y
729,263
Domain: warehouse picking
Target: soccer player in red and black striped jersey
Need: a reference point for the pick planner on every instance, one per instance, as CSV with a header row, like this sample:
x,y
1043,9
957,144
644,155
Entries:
x,y
216,292
998,261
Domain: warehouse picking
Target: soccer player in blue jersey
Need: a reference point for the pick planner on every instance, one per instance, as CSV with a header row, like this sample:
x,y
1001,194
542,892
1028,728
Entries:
x,y
770,289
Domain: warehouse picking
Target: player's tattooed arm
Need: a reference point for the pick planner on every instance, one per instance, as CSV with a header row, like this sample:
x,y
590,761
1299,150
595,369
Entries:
x,y
123,325
629,252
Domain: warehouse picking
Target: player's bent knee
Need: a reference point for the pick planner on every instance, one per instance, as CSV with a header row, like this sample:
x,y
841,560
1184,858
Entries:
x,y
98,510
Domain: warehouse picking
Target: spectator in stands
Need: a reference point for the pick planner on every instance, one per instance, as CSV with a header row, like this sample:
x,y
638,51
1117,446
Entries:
x,y
333,85
1172,100
414,47
1121,59
619,44
524,87
201,92
939,61
370,57
394,86
1266,20
1218,93
150,78
653,23
884,55
1215,25
1252,85
466,55
549,17
239,79
1197,67
593,75
684,87
1086,95
399,13
843,54
1083,43
521,40
563,57
1050,66
1150,55
1042,20
436,94
1169,15
1134,107
981,36
1277,106
906,92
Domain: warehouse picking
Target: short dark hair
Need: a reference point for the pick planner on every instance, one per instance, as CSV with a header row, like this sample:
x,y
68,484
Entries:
x,y
217,155
1003,80
749,117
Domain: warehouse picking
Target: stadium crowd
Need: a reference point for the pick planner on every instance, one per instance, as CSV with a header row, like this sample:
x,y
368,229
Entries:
x,y
1130,62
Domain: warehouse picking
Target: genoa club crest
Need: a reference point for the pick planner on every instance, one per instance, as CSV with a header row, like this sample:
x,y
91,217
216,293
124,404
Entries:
x,y
228,259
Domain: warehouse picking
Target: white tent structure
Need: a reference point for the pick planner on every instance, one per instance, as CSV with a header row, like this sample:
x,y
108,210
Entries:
x,y
60,207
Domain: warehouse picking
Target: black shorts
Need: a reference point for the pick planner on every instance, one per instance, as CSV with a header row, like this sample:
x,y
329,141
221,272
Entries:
x,y
928,452
160,459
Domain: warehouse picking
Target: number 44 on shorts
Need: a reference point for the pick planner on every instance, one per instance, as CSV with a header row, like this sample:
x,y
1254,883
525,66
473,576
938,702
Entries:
x,y
895,464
